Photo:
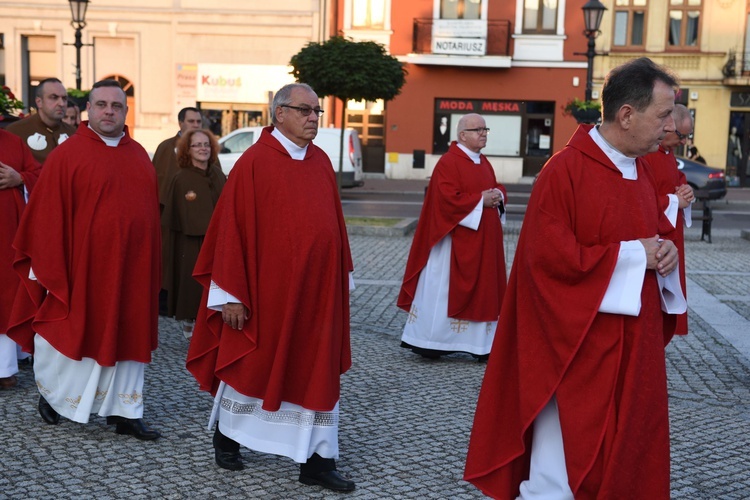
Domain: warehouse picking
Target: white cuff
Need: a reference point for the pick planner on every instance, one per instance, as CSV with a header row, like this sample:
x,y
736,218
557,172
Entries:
x,y
623,295
217,297
475,216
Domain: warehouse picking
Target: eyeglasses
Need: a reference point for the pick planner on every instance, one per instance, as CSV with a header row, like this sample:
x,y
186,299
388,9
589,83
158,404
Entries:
x,y
680,135
481,130
304,110
204,145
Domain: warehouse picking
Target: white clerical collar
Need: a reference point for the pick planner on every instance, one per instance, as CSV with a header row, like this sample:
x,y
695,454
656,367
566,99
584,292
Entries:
x,y
624,164
475,157
296,152
109,141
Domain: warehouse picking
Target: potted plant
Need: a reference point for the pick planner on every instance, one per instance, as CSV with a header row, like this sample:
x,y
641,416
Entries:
x,y
10,107
583,111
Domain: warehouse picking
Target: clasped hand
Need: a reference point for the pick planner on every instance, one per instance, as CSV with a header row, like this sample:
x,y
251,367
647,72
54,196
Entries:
x,y
661,254
492,198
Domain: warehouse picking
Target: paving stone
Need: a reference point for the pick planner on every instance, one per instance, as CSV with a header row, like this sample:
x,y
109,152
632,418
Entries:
x,y
405,421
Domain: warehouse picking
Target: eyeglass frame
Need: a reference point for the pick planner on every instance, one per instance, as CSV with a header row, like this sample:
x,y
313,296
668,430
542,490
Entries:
x,y
304,110
486,130
680,135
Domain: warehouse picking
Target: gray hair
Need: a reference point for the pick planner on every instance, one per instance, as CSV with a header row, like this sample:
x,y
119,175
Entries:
x,y
284,97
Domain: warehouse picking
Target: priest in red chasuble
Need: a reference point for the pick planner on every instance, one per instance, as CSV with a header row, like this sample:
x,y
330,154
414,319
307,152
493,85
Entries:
x,y
271,339
455,277
675,195
19,172
87,254
574,398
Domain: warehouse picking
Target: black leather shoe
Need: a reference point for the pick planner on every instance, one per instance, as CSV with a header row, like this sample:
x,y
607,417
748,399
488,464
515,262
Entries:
x,y
134,427
227,452
330,480
47,412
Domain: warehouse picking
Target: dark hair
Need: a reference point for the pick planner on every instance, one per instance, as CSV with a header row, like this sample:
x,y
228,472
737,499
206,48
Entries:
x,y
104,83
633,83
184,160
184,111
39,92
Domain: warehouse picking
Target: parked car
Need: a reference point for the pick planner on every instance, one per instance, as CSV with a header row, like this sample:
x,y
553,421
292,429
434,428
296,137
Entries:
x,y
708,180
232,145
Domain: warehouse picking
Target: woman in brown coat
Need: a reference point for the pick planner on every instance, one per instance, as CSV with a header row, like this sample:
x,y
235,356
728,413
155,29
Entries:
x,y
191,197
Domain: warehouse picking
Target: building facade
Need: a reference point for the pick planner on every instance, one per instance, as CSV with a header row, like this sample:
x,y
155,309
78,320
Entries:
x,y
518,62
225,56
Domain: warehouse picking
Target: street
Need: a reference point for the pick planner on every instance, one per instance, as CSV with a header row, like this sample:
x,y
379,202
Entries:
x,y
379,198
405,421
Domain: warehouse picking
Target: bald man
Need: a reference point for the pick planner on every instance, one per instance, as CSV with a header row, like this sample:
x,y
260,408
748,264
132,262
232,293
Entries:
x,y
455,277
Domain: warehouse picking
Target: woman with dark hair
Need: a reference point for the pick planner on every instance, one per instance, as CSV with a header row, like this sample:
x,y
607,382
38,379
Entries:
x,y
191,197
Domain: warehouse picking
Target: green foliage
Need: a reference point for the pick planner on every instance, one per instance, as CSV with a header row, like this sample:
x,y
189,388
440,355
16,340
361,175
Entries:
x,y
576,104
9,105
78,93
346,69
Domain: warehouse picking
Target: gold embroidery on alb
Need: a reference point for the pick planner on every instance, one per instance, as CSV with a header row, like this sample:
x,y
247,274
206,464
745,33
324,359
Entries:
x,y
413,314
131,399
459,325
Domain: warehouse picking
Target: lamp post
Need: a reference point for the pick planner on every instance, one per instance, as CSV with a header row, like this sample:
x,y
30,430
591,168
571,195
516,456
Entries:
x,y
593,12
78,16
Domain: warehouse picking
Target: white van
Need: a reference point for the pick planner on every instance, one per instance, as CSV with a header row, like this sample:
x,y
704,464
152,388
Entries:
x,y
232,145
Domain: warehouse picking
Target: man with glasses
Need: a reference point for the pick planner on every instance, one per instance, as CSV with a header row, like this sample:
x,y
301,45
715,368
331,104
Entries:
x,y
455,277
675,195
574,398
44,130
272,335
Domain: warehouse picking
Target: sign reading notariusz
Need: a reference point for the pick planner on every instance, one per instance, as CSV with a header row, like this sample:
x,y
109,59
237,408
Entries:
x,y
459,37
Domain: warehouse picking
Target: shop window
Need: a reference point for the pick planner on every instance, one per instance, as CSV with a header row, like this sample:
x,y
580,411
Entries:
x,y
629,23
540,16
368,14
461,9
684,23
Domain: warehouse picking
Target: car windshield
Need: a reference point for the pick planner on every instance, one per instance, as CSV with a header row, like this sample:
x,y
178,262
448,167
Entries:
x,y
237,143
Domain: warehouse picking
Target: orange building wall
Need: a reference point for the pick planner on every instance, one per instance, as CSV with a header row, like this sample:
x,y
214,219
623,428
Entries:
x,y
409,116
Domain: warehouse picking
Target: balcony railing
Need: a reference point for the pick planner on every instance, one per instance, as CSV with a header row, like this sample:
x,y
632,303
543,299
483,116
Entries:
x,y
498,37
737,64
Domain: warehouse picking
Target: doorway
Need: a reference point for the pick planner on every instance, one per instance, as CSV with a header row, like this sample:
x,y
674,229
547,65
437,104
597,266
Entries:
x,y
738,150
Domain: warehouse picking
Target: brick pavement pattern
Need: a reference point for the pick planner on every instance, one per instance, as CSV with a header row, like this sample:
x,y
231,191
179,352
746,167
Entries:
x,y
405,421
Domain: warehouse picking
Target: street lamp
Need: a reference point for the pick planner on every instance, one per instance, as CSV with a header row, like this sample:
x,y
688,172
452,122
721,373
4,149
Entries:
x,y
593,12
78,16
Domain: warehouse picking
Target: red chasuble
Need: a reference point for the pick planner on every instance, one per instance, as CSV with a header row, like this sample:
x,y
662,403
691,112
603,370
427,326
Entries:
x,y
606,370
15,154
277,241
663,168
91,235
477,273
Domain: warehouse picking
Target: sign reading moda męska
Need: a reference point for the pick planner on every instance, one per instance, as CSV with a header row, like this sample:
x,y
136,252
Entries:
x,y
240,83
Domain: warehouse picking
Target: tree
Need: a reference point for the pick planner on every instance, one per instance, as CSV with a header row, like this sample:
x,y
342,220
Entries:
x,y
346,69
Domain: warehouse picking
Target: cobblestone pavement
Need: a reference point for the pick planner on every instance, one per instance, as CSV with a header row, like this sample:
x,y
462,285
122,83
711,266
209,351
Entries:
x,y
405,421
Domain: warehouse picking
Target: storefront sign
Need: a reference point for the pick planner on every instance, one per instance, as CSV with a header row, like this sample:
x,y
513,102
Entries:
x,y
240,83
459,37
459,28
459,46
477,106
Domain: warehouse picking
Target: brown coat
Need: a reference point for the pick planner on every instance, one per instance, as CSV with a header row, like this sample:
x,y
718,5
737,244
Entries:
x,y
189,203
40,138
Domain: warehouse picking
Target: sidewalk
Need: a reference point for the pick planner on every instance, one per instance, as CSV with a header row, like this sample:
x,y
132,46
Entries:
x,y
405,421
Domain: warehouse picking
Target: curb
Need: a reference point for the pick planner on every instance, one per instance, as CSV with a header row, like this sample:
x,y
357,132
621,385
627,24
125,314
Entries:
x,y
402,228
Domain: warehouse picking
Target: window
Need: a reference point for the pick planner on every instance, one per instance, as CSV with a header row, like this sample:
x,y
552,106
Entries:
x,y
460,9
629,23
539,16
684,23
368,14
